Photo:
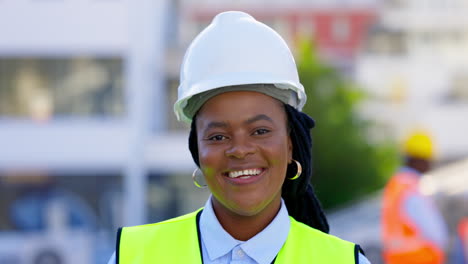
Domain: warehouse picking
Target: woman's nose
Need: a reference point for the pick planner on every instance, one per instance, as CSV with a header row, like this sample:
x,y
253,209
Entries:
x,y
240,147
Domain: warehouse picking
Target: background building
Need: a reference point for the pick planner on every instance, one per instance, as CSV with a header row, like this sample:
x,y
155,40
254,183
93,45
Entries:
x,y
85,145
415,67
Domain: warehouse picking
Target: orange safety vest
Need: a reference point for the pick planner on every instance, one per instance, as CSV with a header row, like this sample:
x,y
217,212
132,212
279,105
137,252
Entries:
x,y
463,233
402,239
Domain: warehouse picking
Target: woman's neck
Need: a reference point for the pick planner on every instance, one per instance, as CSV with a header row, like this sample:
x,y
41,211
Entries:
x,y
242,227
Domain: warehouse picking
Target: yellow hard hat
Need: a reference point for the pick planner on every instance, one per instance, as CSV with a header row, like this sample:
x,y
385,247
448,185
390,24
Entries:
x,y
419,145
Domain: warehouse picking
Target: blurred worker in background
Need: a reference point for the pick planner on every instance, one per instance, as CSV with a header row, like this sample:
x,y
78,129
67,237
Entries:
x,y
413,230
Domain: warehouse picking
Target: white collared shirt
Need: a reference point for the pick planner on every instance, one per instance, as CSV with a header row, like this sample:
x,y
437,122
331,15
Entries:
x,y
262,248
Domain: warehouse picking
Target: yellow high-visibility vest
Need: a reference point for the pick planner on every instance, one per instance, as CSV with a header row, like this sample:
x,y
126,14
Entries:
x,y
178,241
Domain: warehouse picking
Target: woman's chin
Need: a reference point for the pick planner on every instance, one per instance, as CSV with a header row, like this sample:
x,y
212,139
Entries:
x,y
251,208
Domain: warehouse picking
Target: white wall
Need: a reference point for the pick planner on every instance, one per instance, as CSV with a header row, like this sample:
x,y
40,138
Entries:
x,y
57,27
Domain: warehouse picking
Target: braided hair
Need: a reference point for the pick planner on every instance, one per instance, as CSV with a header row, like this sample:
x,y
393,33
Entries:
x,y
298,195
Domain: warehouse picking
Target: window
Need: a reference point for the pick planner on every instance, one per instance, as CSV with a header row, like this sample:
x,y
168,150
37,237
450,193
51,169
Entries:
x,y
459,89
341,29
41,88
84,209
385,42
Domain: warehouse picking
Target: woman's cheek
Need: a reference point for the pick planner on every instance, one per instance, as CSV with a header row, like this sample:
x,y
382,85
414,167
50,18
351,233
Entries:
x,y
209,159
208,171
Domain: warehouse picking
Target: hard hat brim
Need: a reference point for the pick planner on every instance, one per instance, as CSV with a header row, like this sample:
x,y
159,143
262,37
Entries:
x,y
286,91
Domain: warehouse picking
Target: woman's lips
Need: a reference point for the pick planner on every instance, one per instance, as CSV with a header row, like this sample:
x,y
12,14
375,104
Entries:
x,y
244,173
245,176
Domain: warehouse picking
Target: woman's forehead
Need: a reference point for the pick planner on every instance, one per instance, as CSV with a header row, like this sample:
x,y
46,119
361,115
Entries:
x,y
254,95
245,105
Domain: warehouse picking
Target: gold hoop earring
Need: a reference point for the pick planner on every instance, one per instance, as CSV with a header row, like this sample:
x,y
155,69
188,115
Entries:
x,y
194,175
299,171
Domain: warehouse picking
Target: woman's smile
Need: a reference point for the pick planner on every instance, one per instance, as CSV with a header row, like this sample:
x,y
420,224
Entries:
x,y
244,173
247,176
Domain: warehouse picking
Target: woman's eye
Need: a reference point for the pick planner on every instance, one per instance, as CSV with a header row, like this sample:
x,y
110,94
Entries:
x,y
217,138
261,131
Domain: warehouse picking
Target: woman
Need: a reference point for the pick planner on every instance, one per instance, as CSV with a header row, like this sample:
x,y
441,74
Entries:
x,y
241,94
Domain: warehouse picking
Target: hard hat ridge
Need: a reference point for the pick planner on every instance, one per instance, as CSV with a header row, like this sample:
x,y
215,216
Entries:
x,y
235,49
228,16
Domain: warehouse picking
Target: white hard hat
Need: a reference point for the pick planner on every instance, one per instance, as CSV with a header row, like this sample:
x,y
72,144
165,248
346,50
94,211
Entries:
x,y
234,52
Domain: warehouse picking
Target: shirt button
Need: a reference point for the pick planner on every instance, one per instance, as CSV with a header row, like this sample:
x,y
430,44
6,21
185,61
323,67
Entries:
x,y
240,253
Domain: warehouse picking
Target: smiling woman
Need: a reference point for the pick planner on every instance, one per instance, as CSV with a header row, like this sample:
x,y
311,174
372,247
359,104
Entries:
x,y
244,149
241,94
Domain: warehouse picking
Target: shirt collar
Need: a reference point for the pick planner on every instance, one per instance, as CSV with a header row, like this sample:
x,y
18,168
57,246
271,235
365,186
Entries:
x,y
212,233
263,247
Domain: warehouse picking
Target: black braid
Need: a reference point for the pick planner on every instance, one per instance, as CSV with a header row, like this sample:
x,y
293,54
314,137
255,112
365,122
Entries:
x,y
298,194
193,143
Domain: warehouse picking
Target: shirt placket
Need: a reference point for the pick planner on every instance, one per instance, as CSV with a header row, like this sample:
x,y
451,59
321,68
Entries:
x,y
238,256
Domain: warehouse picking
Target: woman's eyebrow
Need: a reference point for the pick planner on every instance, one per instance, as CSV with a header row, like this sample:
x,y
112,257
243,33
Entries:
x,y
220,124
216,124
257,118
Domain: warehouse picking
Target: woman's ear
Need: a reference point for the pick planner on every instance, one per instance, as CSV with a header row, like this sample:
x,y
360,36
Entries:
x,y
290,150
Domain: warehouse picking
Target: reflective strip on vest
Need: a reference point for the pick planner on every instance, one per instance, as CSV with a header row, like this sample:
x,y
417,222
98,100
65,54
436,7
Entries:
x,y
176,241
463,233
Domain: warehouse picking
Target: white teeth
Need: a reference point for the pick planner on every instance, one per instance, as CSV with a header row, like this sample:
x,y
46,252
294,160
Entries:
x,y
244,174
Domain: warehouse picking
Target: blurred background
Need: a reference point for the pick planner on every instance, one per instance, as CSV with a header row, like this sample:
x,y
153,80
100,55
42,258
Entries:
x,y
89,141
